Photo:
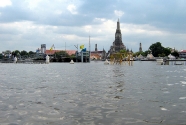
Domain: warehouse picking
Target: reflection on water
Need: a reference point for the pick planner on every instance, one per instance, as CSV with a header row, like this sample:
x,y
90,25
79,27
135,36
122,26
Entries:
x,y
92,93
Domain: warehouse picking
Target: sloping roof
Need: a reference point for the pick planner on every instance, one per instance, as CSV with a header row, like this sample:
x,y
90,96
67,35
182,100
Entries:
x,y
95,55
140,56
171,56
150,56
51,52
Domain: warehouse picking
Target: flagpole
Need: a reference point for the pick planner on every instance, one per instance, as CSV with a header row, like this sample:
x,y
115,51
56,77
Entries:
x,y
65,49
77,52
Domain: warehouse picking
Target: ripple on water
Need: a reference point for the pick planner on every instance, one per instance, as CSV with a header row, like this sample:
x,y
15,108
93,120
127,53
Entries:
x,y
61,94
166,92
23,112
53,112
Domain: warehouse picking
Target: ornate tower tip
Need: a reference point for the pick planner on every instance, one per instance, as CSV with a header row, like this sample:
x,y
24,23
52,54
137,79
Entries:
x,y
118,19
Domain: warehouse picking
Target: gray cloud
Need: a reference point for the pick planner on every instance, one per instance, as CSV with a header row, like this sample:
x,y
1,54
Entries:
x,y
167,19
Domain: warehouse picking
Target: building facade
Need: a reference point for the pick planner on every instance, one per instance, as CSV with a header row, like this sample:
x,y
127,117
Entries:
x,y
98,55
43,48
182,54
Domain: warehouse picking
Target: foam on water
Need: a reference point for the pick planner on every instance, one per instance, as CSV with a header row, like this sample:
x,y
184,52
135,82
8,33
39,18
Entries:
x,y
170,84
182,98
183,82
163,109
166,92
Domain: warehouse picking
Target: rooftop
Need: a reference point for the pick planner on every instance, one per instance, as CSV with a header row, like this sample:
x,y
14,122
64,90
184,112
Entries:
x,y
51,52
184,51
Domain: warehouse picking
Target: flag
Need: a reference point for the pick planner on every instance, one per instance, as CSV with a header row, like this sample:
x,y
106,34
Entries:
x,y
82,46
84,50
37,50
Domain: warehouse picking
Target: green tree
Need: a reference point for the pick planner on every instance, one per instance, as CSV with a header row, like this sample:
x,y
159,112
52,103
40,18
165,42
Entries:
x,y
17,52
23,53
72,56
31,52
146,53
123,51
175,53
166,51
1,56
61,54
142,53
156,49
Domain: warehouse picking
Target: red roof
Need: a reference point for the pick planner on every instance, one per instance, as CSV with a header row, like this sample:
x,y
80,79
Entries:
x,y
51,52
183,51
96,51
95,55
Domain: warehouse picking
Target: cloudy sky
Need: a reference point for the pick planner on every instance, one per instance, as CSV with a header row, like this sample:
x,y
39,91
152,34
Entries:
x,y
26,24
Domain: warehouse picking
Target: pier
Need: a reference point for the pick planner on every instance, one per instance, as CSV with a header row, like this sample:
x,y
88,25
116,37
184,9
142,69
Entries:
x,y
175,62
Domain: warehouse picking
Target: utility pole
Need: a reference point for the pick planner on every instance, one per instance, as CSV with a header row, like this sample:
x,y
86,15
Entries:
x,y
65,46
89,49
77,52
65,49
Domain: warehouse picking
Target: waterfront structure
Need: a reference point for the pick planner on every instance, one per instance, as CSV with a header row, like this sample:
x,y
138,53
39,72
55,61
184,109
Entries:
x,y
150,57
140,57
43,48
122,58
182,54
96,49
171,57
98,55
47,59
52,52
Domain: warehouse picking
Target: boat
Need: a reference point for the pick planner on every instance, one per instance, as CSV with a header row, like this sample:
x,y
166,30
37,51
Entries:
x,y
71,62
159,61
178,63
47,59
106,62
15,59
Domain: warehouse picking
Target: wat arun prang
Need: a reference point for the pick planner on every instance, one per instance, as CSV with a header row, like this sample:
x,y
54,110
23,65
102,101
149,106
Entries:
x,y
117,44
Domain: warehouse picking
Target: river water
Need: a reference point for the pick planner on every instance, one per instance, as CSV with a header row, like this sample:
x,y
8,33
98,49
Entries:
x,y
92,94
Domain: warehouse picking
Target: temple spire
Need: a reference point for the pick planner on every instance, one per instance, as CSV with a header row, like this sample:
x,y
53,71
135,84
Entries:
x,y
118,25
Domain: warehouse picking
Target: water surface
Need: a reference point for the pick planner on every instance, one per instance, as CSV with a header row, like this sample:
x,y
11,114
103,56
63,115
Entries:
x,y
92,94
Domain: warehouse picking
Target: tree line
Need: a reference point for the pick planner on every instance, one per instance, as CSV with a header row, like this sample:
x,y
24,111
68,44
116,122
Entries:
x,y
23,53
157,50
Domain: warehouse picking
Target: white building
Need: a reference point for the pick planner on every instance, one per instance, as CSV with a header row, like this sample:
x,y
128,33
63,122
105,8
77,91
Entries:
x,y
182,54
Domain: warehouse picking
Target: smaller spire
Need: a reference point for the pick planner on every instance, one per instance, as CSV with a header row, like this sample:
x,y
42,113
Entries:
x,y
118,25
103,48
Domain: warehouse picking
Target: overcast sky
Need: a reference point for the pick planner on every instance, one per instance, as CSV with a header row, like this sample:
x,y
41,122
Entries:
x,y
26,24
